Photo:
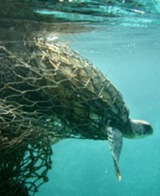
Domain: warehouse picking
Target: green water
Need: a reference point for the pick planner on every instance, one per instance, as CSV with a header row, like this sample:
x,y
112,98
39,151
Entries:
x,y
122,39
129,56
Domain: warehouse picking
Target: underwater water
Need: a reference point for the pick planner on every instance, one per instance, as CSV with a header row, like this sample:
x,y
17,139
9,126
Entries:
x,y
122,39
129,56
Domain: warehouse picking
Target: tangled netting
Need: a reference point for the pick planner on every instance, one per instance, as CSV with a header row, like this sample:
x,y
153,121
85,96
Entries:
x,y
47,91
25,152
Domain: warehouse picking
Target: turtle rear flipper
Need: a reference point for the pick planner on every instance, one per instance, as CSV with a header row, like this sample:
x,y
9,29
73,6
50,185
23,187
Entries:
x,y
115,140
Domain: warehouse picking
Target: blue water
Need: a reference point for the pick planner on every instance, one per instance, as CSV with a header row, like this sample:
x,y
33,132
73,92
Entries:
x,y
121,38
130,57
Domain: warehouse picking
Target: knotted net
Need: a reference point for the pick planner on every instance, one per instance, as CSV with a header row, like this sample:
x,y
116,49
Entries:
x,y
47,91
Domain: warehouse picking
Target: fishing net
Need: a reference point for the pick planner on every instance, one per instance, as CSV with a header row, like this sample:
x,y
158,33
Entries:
x,y
25,153
47,92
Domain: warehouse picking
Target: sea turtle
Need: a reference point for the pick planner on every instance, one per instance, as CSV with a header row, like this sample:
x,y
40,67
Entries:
x,y
75,98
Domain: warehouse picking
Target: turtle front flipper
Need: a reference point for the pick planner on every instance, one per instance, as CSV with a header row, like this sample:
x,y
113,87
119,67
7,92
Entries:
x,y
115,140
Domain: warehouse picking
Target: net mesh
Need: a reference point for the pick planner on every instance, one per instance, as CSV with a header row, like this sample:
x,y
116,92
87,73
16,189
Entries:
x,y
25,153
48,91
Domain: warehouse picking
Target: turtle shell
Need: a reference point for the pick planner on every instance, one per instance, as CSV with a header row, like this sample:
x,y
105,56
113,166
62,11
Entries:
x,y
56,83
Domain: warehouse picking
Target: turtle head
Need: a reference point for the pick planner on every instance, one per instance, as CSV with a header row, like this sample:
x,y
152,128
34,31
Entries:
x,y
139,129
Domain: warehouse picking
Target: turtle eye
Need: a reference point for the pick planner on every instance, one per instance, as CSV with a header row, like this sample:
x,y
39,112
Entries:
x,y
147,129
